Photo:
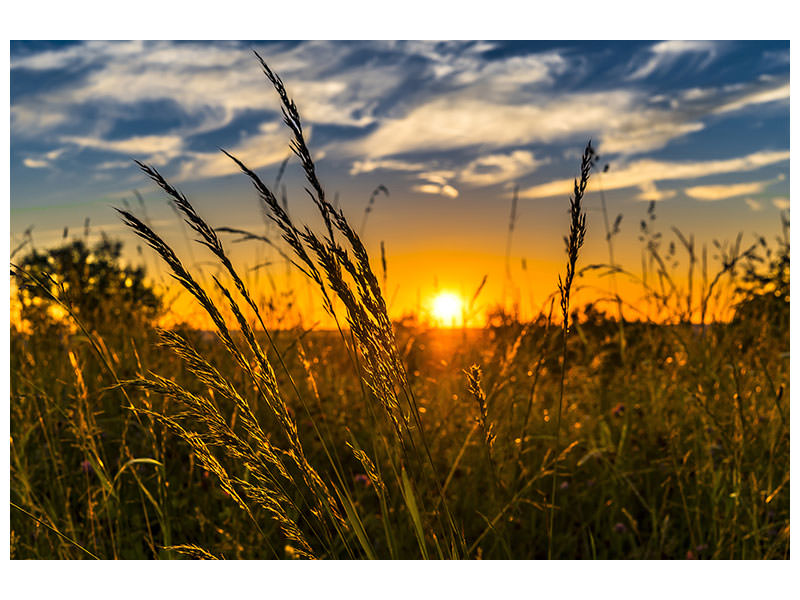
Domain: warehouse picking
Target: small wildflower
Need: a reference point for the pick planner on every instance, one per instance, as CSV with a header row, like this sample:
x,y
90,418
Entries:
x,y
620,528
86,467
564,485
361,479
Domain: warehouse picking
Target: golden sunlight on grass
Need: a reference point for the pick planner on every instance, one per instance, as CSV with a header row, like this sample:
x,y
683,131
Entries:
x,y
447,309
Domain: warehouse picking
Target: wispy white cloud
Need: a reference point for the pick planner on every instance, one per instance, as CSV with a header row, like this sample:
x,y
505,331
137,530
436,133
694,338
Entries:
x,y
54,154
754,205
266,148
437,183
650,193
711,193
436,189
781,203
35,163
44,160
113,164
440,177
646,171
459,121
78,55
369,165
483,171
499,168
762,96
646,131
622,121
36,117
157,149
507,75
665,55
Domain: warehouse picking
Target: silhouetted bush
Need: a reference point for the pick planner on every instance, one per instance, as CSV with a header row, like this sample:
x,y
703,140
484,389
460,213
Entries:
x,y
103,294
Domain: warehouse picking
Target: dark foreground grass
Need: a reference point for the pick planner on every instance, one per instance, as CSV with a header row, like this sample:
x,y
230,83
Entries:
x,y
683,454
385,440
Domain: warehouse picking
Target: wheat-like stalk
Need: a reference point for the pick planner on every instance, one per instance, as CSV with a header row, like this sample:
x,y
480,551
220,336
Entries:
x,y
573,242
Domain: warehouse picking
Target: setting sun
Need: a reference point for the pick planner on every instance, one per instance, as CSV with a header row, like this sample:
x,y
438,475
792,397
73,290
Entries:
x,y
447,309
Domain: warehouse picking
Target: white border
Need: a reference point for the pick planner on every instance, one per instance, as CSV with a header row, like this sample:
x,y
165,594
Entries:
x,y
410,19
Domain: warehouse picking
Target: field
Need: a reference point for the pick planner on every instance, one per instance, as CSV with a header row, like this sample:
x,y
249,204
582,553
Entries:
x,y
574,435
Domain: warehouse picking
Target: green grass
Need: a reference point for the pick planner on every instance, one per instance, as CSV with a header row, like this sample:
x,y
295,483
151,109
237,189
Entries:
x,y
386,440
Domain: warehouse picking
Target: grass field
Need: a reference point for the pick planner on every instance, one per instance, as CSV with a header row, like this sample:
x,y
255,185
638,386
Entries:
x,y
574,435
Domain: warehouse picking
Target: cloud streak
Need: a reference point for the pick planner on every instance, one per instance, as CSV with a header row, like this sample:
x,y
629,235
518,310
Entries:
x,y
665,55
437,189
499,168
711,193
643,173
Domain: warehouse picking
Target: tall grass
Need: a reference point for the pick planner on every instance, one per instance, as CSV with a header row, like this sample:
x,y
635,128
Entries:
x,y
337,262
369,442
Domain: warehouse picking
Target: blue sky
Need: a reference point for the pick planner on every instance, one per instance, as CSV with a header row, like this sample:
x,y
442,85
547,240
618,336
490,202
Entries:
x,y
448,127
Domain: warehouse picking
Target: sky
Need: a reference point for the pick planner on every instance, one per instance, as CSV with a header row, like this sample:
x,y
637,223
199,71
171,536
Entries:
x,y
449,128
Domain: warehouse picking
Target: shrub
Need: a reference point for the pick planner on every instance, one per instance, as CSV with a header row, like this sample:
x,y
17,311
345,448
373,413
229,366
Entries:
x,y
101,292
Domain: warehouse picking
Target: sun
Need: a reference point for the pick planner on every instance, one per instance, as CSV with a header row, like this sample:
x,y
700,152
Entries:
x,y
447,309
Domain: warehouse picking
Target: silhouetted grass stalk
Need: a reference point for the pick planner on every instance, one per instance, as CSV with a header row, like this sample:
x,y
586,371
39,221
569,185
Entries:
x,y
577,232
